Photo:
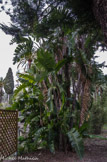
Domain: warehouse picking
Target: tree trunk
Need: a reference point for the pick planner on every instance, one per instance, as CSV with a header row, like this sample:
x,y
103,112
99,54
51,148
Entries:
x,y
66,69
0,95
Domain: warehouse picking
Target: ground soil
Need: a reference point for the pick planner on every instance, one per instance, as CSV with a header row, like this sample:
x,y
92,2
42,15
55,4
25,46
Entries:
x,y
95,151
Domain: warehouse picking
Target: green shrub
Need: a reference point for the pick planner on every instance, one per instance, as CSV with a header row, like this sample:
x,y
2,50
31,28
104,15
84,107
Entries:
x,y
96,120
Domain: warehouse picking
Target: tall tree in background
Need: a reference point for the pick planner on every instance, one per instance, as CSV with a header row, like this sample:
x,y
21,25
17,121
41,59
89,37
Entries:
x,y
9,83
90,14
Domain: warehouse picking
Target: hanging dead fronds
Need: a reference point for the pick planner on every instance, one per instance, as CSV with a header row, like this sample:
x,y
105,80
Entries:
x,y
85,101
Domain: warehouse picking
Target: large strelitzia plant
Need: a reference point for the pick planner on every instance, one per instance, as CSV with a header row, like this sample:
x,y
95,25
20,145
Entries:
x,y
54,116
52,74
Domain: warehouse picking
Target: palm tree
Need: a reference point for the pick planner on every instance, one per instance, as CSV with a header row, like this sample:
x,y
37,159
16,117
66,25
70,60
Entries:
x,y
24,52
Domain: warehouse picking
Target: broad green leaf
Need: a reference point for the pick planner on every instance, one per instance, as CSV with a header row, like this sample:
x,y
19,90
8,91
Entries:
x,y
76,142
60,64
52,147
46,60
38,134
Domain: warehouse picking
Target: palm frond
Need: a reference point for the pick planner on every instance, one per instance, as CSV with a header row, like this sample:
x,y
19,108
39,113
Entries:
x,y
20,88
28,77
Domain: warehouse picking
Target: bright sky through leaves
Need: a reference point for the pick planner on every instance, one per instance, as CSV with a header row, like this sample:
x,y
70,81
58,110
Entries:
x,y
6,50
102,57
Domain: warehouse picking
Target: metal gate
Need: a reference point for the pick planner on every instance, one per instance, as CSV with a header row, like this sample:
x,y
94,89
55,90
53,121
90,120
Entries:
x,y
8,132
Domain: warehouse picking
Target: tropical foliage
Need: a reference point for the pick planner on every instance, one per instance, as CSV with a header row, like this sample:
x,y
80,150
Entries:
x,y
58,43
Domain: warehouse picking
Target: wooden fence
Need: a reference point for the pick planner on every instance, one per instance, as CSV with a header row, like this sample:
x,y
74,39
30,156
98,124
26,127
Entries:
x,y
8,132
